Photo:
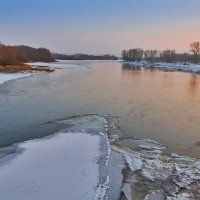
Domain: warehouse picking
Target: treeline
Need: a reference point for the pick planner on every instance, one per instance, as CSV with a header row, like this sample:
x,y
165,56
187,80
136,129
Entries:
x,y
84,57
168,55
8,56
30,54
14,55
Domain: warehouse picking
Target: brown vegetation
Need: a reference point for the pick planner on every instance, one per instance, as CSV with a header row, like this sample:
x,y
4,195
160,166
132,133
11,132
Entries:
x,y
22,68
8,56
15,55
12,58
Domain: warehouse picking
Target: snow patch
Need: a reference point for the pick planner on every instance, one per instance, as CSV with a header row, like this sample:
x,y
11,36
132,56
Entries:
x,y
194,68
53,168
59,64
101,189
4,77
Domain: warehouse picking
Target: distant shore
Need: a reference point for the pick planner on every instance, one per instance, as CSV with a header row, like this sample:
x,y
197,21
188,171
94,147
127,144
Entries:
x,y
23,68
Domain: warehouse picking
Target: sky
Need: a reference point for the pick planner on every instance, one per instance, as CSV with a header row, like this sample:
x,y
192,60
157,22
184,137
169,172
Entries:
x,y
100,26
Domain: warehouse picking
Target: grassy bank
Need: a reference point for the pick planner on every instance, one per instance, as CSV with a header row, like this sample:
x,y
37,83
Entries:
x,y
22,68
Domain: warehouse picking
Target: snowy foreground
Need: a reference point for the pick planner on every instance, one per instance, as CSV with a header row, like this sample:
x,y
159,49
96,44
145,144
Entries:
x,y
167,66
4,77
85,161
72,164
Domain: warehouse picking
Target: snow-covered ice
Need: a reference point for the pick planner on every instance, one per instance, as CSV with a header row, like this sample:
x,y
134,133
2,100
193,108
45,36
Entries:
x,y
60,167
4,77
75,163
57,64
194,68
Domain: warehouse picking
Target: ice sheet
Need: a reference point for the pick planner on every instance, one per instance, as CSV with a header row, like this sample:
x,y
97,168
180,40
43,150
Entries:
x,y
4,77
75,163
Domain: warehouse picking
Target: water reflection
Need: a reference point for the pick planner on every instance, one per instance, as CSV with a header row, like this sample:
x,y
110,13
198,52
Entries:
x,y
194,84
188,79
170,102
129,67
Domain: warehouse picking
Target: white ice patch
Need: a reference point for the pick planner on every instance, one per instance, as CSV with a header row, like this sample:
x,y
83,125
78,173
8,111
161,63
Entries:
x,y
196,165
108,149
101,189
194,68
76,163
181,158
4,77
148,147
60,167
134,162
58,64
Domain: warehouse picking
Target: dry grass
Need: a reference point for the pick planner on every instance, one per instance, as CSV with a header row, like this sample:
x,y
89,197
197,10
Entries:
x,y
22,68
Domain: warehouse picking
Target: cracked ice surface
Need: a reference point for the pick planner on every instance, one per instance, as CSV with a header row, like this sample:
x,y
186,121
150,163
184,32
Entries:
x,y
158,176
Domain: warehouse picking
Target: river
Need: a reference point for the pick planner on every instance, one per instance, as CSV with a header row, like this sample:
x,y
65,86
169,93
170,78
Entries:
x,y
105,122
163,106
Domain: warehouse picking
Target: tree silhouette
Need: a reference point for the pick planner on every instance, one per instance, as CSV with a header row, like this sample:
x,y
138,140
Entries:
x,y
195,49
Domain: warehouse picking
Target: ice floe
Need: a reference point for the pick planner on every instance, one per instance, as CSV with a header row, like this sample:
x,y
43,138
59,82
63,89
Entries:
x,y
161,176
152,174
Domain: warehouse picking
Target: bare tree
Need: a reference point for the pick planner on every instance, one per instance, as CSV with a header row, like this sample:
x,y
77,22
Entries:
x,y
151,55
132,54
168,55
124,55
195,49
185,57
139,54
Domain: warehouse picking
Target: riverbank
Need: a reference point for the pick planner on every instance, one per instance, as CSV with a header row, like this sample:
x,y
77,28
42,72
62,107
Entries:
x,y
193,68
13,72
23,68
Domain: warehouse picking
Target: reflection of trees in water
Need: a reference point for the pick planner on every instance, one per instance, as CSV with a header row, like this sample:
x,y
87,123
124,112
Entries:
x,y
194,83
138,70
129,67
190,82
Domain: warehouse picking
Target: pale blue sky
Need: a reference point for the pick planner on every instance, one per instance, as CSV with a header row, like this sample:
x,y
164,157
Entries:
x,y
100,26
